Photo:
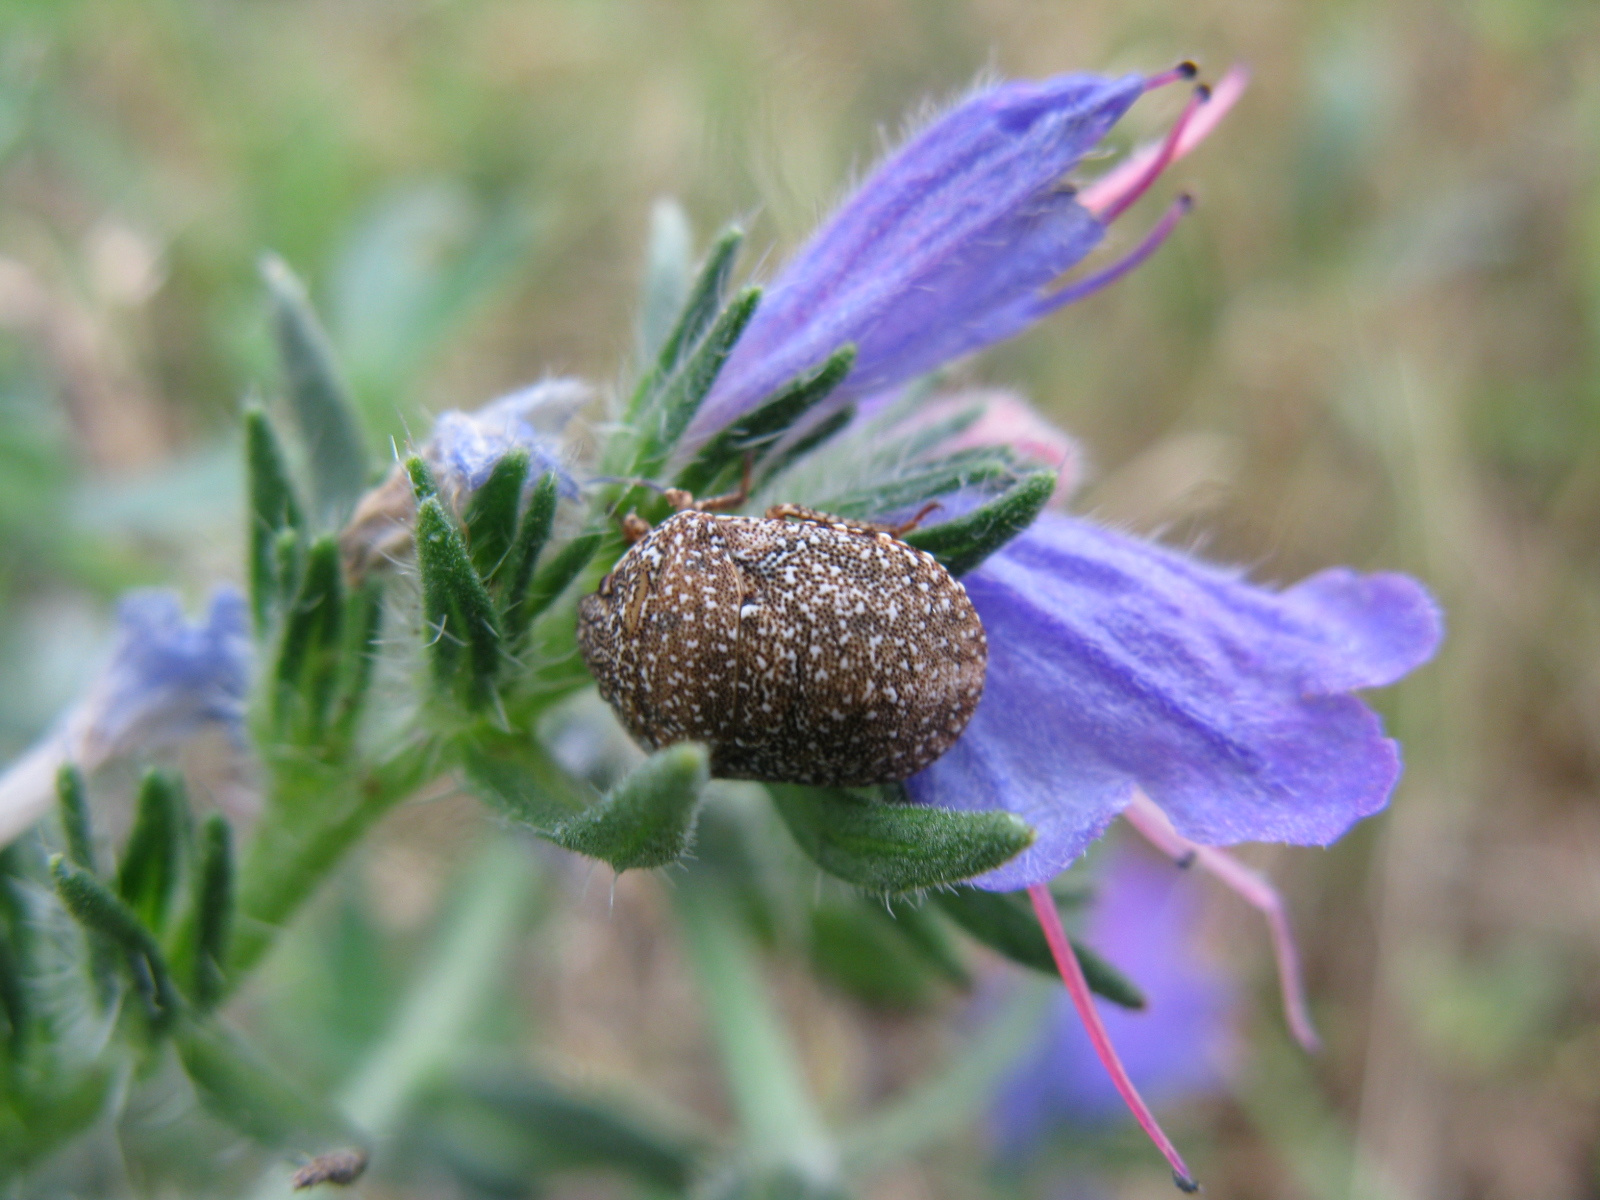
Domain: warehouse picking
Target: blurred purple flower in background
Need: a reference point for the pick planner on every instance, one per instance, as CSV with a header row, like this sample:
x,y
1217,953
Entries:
x,y
165,680
1145,916
464,447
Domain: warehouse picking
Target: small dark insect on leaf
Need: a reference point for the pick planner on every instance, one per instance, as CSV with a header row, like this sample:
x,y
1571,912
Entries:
x,y
338,1167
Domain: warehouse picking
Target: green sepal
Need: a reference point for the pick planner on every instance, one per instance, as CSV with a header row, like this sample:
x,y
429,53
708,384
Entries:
x,y
962,544
920,482
102,912
329,427
73,806
803,445
462,629
1006,922
213,897
533,532
147,875
288,562
550,581
758,432
680,396
358,655
310,649
248,1093
647,820
273,508
423,484
889,848
700,309
666,276
491,516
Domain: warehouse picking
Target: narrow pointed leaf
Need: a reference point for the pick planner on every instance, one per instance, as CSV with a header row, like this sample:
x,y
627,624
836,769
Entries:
x,y
700,308
462,628
962,544
647,820
913,485
273,508
309,652
213,910
363,624
491,516
550,581
803,445
1004,921
681,395
423,484
73,806
328,423
532,533
153,856
758,432
102,912
890,848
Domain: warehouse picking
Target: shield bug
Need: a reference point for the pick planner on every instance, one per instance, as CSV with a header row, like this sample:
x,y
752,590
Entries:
x,y
801,648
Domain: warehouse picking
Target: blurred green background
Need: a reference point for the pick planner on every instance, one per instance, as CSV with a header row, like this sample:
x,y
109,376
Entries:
x,y
1376,342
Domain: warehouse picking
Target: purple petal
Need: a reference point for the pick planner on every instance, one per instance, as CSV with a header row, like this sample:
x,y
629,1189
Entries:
x,y
943,250
1145,920
465,447
167,677
1116,663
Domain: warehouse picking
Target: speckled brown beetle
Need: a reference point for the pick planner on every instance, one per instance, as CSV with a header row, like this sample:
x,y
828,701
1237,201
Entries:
x,y
801,647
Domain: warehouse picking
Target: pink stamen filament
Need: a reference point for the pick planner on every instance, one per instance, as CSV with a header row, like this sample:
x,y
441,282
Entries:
x,y
1044,905
1250,886
1193,128
1184,70
1164,155
1152,241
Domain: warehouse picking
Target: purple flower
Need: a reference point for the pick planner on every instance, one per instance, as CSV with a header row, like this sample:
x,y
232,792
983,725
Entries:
x,y
165,680
464,447
1115,663
166,677
1144,916
949,246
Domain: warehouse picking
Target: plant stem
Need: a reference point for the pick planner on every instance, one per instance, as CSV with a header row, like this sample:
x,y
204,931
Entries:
x,y
780,1124
303,833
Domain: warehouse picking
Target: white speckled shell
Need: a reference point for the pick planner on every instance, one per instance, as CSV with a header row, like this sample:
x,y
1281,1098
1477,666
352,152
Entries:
x,y
799,651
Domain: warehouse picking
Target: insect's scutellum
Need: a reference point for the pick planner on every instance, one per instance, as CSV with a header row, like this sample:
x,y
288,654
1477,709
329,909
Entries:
x,y
807,651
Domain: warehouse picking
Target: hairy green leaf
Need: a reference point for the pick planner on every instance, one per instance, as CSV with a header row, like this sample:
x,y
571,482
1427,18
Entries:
x,y
962,544
890,848
328,423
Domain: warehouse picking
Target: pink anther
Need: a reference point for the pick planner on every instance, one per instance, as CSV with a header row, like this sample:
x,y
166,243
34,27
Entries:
x,y
1044,905
1250,886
